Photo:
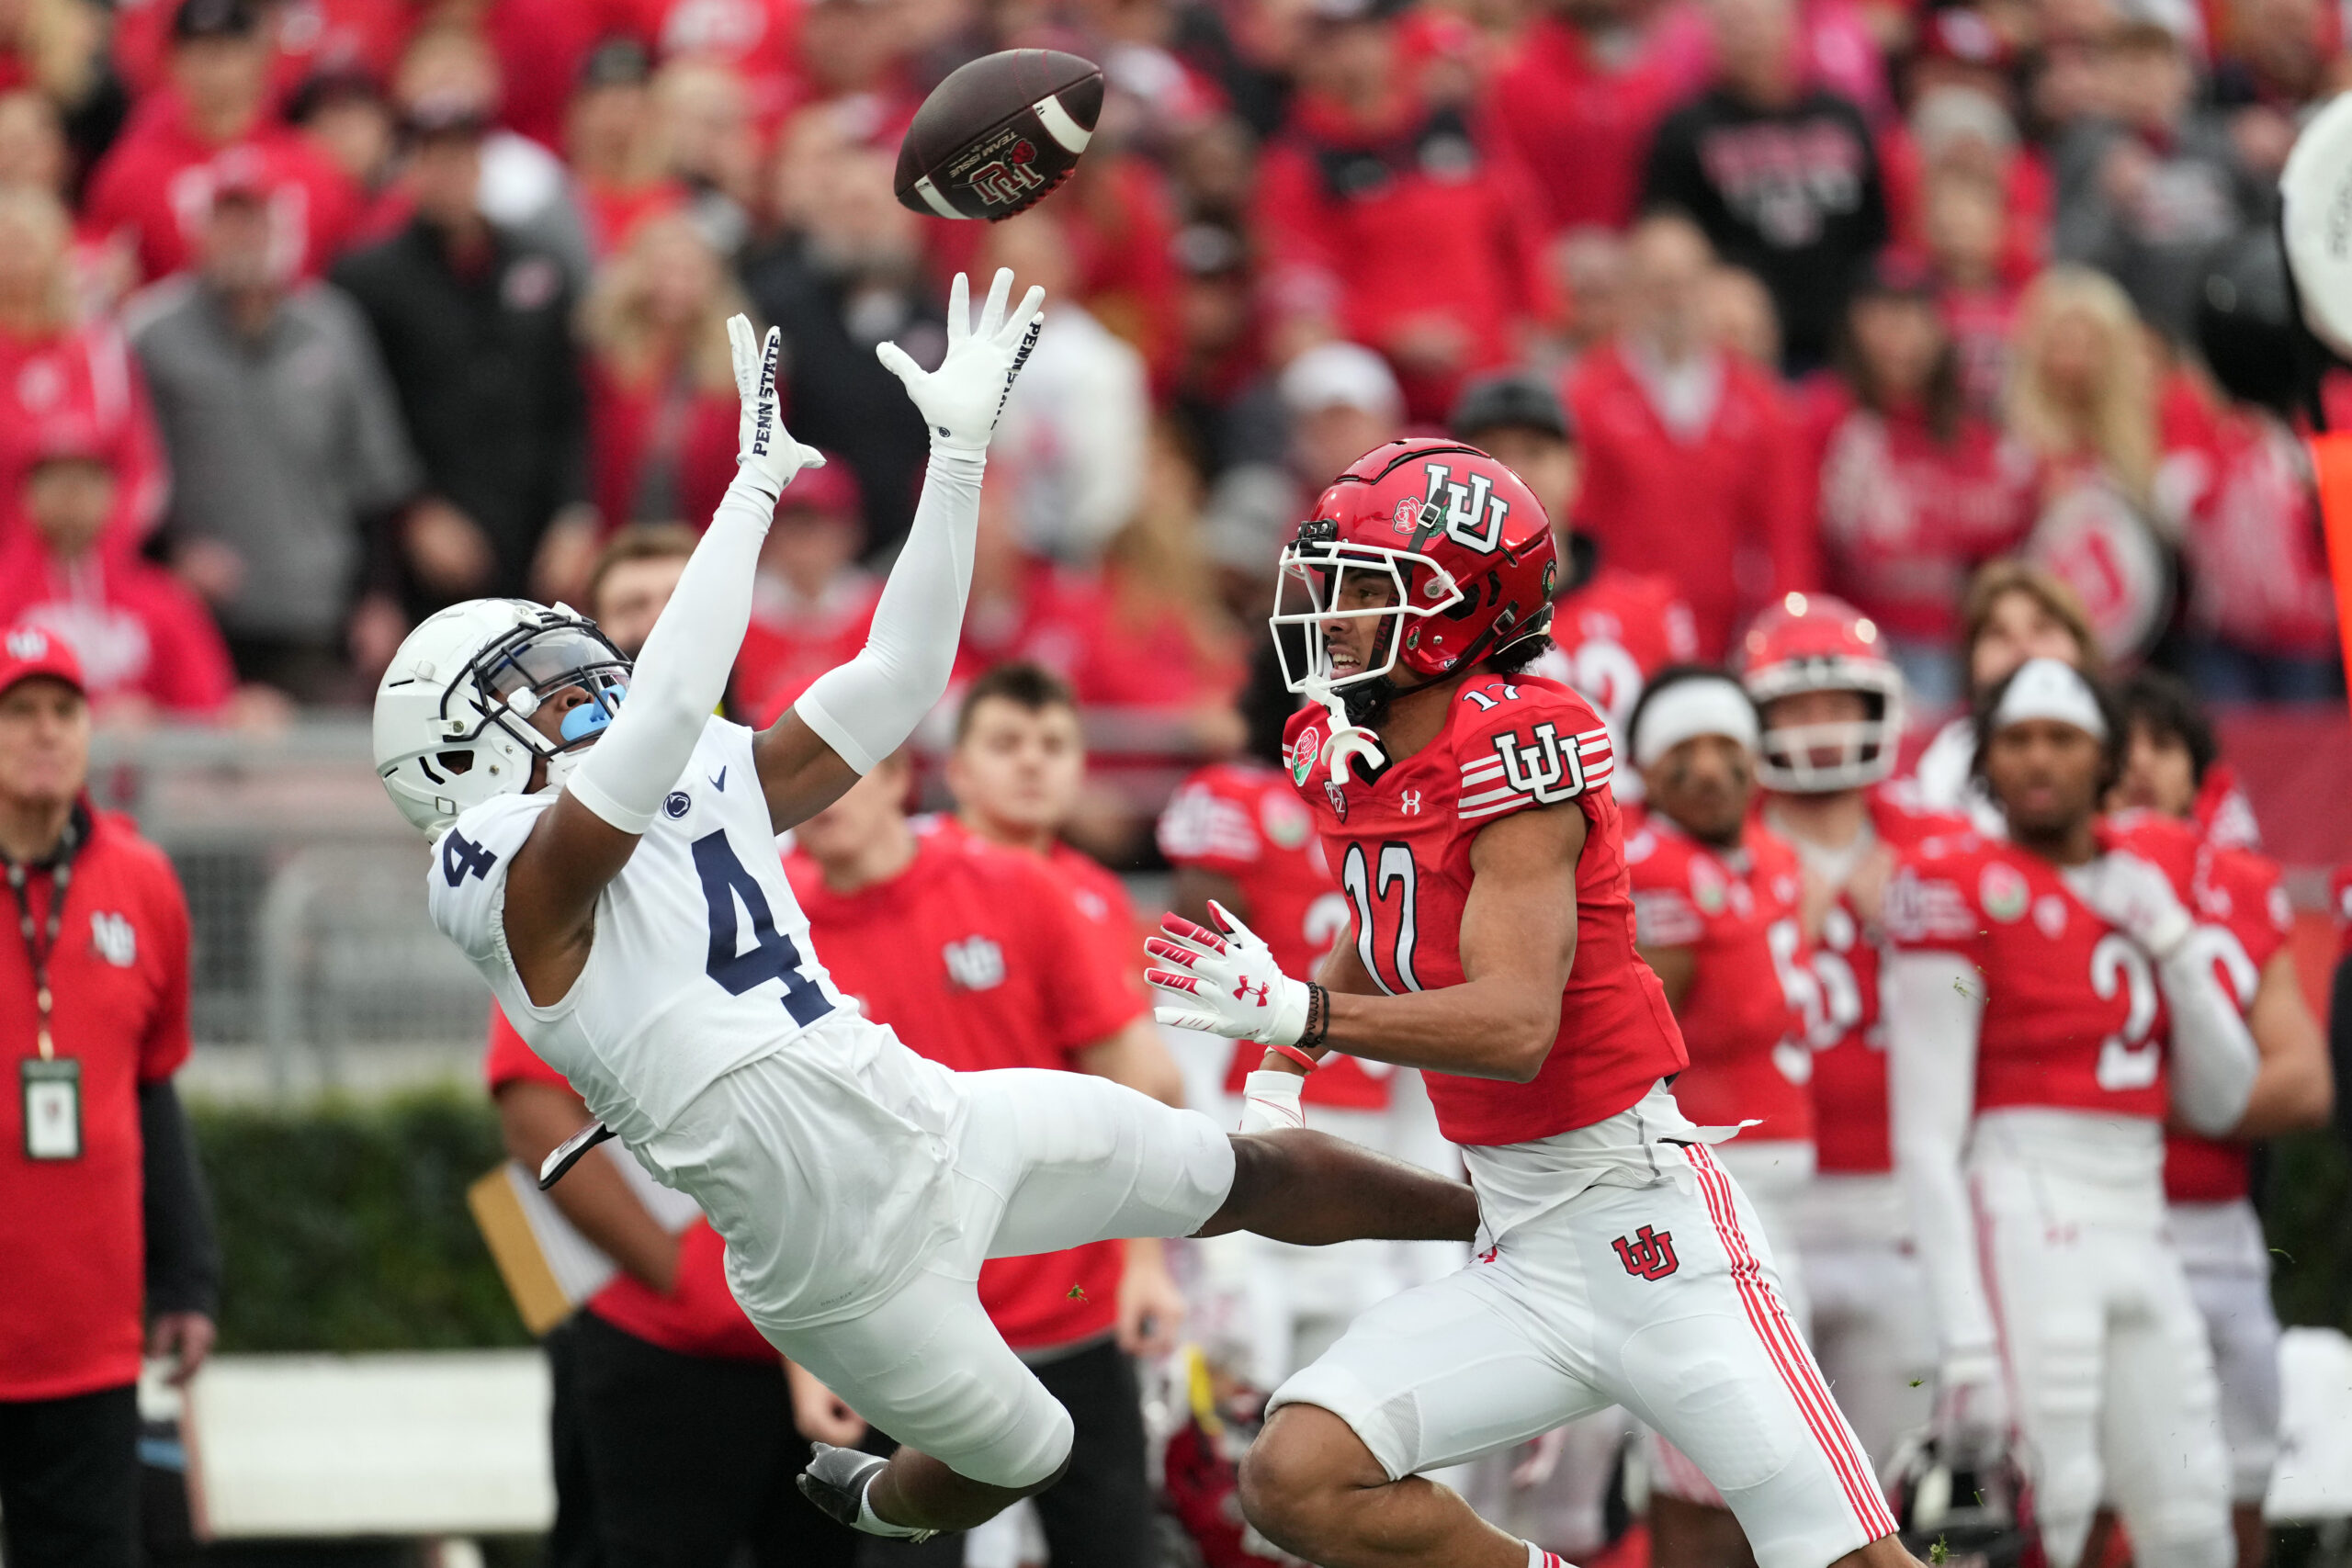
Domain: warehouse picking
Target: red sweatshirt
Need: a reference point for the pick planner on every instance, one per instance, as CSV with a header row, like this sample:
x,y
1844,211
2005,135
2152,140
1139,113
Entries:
x,y
156,184
1722,514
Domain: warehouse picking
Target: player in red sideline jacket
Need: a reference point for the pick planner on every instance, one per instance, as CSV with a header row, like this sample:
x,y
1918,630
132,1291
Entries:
x,y
1239,836
2050,1001
1831,703
2169,757
1469,811
1716,915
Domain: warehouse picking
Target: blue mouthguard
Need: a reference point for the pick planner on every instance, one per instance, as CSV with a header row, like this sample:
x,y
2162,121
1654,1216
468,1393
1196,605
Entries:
x,y
590,717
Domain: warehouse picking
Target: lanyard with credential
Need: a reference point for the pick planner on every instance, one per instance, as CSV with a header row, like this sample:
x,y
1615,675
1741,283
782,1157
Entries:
x,y
39,943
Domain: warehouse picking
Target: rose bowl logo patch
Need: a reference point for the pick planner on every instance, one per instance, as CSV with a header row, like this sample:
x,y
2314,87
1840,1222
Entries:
x,y
1303,752
2003,892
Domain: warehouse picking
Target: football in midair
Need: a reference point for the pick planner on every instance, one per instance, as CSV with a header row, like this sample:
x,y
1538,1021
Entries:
x,y
1000,133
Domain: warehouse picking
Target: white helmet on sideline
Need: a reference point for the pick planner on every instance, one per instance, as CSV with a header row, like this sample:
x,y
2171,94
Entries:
x,y
453,711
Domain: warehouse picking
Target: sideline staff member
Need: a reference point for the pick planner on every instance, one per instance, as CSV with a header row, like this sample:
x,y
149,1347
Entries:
x,y
95,1152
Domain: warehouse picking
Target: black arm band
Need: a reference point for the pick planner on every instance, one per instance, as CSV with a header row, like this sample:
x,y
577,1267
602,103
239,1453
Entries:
x,y
183,1255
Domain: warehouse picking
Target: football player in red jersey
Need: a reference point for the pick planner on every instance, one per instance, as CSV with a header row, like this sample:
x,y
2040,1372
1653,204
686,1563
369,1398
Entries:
x,y
2049,1002
1468,808
2170,754
1611,629
1237,835
1831,701
1716,902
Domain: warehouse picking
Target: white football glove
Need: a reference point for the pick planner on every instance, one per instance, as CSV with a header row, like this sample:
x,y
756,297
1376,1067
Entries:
x,y
765,454
1971,1424
2138,899
1227,984
1270,1101
961,400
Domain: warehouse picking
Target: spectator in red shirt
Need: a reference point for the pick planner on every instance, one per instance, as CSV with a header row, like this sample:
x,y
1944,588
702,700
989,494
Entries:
x,y
103,1217
1022,606
57,377
1674,427
812,602
671,1439
147,644
1386,217
1611,629
1578,108
57,51
608,141
155,186
976,954
1962,232
1915,490
757,40
662,406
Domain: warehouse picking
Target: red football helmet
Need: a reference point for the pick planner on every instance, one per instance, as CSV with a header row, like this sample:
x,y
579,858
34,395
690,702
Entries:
x,y
1812,642
1462,541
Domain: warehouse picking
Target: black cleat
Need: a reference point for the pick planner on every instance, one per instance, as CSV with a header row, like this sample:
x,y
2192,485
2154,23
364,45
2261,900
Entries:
x,y
836,1479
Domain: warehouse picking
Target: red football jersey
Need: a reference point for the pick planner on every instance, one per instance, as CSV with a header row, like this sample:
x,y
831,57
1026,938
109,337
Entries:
x,y
700,1315
1242,820
1612,633
1743,1016
2074,1017
1402,841
2241,895
976,956
1850,1126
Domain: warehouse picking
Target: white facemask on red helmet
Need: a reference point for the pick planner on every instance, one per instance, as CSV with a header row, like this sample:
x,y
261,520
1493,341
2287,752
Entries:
x,y
1812,642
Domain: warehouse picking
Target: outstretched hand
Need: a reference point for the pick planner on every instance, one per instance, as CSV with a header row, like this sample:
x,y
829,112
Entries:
x,y
766,453
961,400
1227,983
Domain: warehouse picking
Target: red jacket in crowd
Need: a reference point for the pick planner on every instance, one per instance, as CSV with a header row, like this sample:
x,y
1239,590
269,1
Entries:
x,y
1413,222
1907,518
81,388
699,1315
119,977
632,427
1582,125
140,631
155,187
312,38
1723,515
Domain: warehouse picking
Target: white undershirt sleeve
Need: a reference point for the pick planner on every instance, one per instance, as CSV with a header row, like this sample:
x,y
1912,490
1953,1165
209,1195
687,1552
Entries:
x,y
865,709
681,674
1933,1006
2214,1060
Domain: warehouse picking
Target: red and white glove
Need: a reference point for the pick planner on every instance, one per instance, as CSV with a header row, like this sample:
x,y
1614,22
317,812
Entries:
x,y
1225,983
2137,898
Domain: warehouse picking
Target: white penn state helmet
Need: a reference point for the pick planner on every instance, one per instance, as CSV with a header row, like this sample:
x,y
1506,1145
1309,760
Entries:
x,y
453,711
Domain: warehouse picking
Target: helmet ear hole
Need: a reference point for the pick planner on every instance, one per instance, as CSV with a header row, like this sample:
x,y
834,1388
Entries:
x,y
455,761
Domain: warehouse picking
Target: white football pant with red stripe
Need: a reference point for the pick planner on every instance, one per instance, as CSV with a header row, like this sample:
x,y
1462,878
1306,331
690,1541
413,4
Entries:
x,y
1621,1267
2111,1375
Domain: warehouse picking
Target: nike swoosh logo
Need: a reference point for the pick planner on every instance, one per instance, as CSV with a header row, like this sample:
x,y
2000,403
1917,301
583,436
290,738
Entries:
x,y
720,781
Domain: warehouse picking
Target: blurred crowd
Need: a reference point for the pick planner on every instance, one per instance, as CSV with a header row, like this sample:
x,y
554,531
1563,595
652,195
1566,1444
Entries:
x,y
316,315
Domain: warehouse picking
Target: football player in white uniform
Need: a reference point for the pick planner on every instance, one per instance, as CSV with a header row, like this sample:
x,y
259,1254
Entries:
x,y
609,866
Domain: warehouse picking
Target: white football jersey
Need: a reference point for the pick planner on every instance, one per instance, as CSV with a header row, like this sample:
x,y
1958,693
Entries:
x,y
701,959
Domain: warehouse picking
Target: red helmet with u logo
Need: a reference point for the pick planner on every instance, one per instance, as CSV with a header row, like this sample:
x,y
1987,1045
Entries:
x,y
1462,543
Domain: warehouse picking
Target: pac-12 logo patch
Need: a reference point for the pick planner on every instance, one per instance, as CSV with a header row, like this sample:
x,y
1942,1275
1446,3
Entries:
x,y
1647,1254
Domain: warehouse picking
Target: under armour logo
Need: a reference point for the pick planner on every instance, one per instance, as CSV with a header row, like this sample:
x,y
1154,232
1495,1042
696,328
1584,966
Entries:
x,y
1491,1253
1410,803
1242,990
1649,1255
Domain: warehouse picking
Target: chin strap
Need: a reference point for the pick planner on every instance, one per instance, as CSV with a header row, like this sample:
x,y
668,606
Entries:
x,y
1348,740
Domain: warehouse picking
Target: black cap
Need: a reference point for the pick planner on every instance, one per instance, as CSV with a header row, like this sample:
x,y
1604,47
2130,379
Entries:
x,y
216,19
616,62
1518,397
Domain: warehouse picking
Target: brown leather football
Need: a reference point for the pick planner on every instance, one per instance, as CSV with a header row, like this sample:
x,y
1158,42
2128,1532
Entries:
x,y
998,134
